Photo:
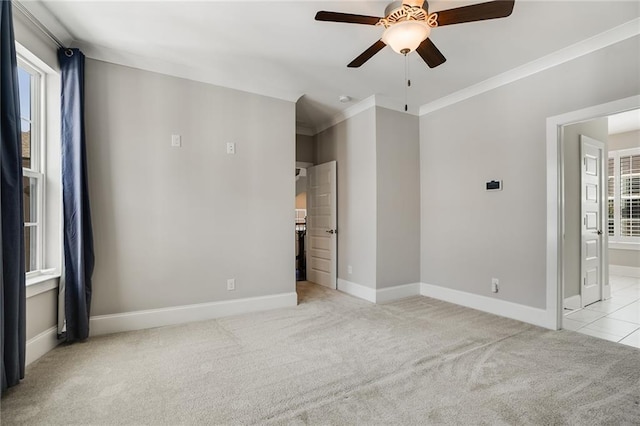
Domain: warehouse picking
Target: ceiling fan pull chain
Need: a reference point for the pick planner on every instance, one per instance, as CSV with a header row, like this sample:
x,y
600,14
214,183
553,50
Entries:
x,y
406,77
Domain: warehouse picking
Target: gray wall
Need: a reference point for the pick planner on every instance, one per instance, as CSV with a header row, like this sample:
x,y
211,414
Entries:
x,y
398,198
42,312
626,140
172,224
33,39
305,149
468,235
596,129
629,258
377,152
352,143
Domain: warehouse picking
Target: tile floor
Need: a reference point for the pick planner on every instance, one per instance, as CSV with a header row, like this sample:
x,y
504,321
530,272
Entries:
x,y
616,319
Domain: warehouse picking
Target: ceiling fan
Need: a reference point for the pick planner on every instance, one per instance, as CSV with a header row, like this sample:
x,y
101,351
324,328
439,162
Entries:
x,y
408,24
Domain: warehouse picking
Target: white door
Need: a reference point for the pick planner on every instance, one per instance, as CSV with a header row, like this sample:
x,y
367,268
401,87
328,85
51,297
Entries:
x,y
322,241
591,253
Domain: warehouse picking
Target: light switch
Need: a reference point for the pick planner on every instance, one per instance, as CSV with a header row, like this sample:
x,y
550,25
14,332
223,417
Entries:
x,y
176,141
231,147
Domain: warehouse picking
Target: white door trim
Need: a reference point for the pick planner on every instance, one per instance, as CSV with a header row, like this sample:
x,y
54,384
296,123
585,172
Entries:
x,y
555,206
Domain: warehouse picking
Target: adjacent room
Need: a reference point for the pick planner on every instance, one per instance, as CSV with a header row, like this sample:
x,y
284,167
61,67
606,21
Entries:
x,y
462,179
607,305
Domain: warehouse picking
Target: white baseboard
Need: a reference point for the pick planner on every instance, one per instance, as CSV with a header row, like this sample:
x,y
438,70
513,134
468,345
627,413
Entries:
x,y
41,344
397,292
626,271
357,290
535,316
138,320
573,302
381,295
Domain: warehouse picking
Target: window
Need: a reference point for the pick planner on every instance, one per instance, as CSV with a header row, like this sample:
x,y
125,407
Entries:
x,y
30,82
623,192
39,90
610,195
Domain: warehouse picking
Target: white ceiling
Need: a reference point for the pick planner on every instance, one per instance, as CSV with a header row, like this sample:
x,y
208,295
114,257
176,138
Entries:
x,y
627,121
276,48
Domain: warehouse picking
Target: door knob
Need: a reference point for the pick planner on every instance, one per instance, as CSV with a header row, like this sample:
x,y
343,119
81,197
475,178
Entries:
x,y
599,232
330,231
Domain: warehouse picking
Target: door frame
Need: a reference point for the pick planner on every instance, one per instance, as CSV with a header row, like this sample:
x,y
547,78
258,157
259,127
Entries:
x,y
555,198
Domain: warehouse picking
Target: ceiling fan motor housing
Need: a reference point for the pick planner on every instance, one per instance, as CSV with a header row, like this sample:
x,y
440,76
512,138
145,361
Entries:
x,y
398,11
392,7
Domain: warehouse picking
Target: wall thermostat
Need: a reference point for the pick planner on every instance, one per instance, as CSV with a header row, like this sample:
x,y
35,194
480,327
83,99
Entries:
x,y
494,185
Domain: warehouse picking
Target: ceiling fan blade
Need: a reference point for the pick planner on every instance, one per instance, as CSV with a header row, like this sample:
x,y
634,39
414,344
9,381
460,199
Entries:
x,y
430,53
367,54
476,12
346,17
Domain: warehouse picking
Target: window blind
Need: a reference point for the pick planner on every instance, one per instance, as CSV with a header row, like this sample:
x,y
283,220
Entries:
x,y
630,195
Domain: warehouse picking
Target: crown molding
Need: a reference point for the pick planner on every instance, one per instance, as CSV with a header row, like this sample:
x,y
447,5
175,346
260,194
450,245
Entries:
x,y
346,113
584,47
49,25
121,57
395,105
365,104
43,21
304,130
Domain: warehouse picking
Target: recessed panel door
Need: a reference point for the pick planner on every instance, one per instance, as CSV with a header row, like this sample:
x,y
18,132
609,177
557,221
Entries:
x,y
322,236
591,255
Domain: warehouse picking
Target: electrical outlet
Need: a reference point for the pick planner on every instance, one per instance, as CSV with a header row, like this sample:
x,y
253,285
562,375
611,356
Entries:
x,y
231,284
494,285
231,148
349,269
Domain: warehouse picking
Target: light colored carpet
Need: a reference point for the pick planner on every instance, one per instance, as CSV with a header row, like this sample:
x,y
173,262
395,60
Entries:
x,y
336,360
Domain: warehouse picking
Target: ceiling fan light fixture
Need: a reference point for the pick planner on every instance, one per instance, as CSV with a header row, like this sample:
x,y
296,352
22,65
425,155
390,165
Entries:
x,y
405,36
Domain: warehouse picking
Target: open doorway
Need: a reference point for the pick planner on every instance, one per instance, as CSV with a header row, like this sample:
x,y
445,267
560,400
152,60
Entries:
x,y
316,215
316,220
315,245
601,247
301,220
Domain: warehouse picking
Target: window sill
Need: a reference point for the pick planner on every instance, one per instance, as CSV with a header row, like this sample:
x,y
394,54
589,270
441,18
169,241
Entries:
x,y
624,246
42,283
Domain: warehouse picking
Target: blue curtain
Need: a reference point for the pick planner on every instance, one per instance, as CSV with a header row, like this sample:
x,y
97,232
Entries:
x,y
78,235
13,293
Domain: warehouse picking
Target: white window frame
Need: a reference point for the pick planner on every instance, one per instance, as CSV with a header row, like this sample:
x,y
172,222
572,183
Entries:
x,y
38,163
617,241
